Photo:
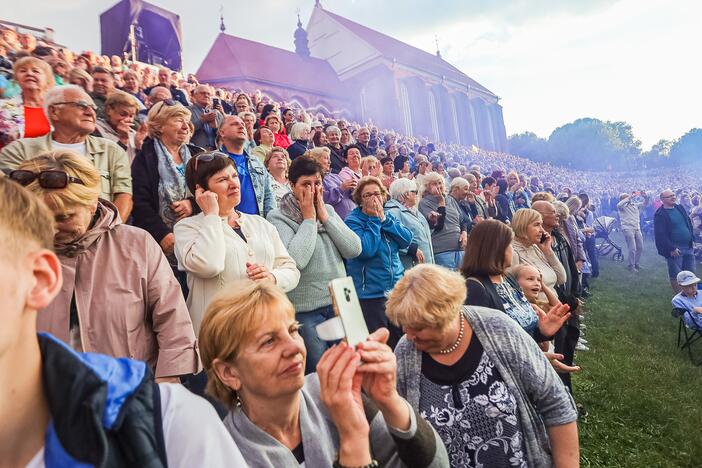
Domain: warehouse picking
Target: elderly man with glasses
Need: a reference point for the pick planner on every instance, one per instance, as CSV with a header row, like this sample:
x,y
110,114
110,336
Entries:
x,y
71,112
672,229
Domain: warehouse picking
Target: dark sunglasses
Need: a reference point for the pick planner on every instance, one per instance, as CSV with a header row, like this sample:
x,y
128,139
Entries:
x,y
46,179
166,103
208,157
83,105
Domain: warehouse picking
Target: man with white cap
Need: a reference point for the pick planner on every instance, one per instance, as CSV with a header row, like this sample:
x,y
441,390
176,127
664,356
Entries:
x,y
689,299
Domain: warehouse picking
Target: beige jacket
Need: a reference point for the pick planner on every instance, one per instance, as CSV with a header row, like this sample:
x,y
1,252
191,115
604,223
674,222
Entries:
x,y
213,254
129,303
549,266
109,159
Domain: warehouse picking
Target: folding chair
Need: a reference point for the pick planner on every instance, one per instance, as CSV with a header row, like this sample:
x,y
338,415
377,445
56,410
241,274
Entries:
x,y
686,336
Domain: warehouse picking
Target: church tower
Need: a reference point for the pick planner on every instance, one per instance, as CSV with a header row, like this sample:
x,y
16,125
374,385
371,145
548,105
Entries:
x,y
301,44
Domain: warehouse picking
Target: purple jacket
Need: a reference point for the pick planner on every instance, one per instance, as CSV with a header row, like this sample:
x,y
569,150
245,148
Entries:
x,y
337,197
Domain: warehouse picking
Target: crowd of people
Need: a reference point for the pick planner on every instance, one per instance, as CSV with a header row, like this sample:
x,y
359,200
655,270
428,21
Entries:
x,y
169,240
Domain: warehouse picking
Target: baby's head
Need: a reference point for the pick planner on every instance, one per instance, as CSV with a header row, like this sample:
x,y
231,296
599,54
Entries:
x,y
529,278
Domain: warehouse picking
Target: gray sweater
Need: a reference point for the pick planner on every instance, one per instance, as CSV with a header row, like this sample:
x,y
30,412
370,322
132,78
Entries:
x,y
419,446
542,399
445,239
319,256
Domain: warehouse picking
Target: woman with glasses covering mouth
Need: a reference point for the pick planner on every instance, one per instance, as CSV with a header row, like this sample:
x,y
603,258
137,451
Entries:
x,y
221,244
378,268
119,296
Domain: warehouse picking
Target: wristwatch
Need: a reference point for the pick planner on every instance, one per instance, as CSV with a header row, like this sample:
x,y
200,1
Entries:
x,y
372,464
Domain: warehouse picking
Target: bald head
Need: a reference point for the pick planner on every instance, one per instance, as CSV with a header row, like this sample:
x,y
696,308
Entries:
x,y
668,198
548,213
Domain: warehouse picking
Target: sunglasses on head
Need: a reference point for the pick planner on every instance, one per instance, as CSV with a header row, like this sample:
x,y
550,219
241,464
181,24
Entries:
x,y
46,179
208,157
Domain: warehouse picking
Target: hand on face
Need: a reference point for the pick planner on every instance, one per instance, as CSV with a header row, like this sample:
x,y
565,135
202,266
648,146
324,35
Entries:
x,y
320,207
207,201
307,203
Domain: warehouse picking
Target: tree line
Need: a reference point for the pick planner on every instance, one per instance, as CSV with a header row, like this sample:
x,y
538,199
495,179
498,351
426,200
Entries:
x,y
593,144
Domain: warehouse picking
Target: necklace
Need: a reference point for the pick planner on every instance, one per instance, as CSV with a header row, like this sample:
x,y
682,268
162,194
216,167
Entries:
x,y
455,346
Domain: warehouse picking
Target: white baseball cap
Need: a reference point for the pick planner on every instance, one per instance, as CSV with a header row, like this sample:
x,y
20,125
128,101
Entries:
x,y
687,278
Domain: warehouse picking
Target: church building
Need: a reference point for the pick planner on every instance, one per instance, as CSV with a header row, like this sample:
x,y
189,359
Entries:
x,y
345,69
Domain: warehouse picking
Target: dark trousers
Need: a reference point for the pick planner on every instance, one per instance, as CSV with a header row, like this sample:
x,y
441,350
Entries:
x,y
591,250
374,313
564,343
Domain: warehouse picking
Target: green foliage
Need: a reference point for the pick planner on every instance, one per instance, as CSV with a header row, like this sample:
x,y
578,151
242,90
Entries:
x,y
641,392
594,144
528,145
688,149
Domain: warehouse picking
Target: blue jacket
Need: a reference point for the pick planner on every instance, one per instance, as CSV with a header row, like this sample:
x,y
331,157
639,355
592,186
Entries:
x,y
378,268
105,411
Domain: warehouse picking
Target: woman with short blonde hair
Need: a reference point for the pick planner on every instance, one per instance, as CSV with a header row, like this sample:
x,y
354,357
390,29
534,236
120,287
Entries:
x,y
254,355
162,113
370,166
277,163
455,360
23,116
141,314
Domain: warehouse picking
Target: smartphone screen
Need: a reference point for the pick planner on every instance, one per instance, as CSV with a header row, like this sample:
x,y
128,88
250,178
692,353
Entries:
x,y
348,308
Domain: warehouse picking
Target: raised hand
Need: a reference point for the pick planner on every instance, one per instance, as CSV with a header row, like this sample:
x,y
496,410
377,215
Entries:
x,y
551,322
207,201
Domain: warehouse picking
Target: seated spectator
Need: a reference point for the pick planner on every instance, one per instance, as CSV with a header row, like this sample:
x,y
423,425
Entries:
x,y
370,166
222,244
79,77
388,177
532,245
337,192
403,205
449,232
118,125
103,86
242,103
345,139
256,192
264,139
49,422
453,361
165,80
277,164
249,119
72,115
689,299
459,190
131,86
338,160
378,268
141,314
161,195
23,115
362,141
204,118
300,135
254,356
158,94
319,242
352,170
274,124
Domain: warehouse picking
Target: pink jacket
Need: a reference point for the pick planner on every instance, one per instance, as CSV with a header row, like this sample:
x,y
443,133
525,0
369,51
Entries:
x,y
127,299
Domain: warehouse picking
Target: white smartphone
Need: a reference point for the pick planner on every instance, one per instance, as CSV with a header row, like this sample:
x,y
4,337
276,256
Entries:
x,y
348,309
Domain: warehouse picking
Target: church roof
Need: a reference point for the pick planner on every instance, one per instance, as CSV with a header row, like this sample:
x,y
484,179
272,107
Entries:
x,y
234,58
406,54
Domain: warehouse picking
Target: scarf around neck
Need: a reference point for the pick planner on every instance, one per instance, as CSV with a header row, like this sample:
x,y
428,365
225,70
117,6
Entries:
x,y
290,207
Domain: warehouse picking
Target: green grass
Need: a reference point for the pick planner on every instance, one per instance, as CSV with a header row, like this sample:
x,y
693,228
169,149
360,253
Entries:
x,y
642,394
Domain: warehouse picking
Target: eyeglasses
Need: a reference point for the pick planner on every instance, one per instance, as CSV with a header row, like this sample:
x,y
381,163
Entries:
x,y
166,103
46,179
372,194
414,191
208,157
83,105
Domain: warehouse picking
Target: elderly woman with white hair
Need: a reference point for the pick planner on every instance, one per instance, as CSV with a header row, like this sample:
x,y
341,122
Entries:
x,y
403,205
338,160
449,235
478,378
161,196
300,135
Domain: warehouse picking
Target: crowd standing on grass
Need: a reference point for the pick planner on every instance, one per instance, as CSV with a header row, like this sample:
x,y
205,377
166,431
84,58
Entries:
x,y
168,241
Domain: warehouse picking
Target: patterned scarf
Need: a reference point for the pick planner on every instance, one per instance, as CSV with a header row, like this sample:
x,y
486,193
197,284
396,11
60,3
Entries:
x,y
171,183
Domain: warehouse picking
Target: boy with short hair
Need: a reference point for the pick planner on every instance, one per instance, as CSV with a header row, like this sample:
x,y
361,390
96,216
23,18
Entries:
x,y
689,299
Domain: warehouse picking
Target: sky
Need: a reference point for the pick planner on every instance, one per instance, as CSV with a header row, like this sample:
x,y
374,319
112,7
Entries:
x,y
550,61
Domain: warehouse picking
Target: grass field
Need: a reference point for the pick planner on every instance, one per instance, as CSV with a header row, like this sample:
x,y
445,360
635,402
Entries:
x,y
642,394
